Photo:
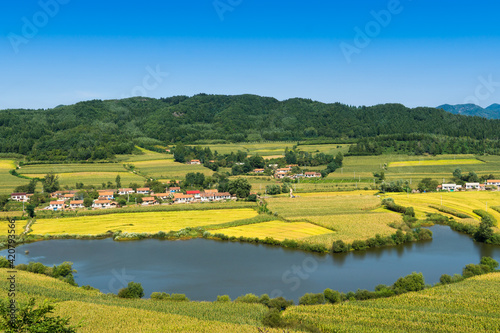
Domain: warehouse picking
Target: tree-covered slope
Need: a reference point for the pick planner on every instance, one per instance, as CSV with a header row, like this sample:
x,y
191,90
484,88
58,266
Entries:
x,y
99,129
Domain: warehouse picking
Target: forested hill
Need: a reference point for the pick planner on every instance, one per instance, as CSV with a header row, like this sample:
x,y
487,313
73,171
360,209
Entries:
x,y
98,129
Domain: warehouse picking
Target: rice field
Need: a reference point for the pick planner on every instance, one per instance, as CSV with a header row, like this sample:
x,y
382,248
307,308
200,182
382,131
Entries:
x,y
150,222
278,230
468,306
434,162
464,202
323,204
4,227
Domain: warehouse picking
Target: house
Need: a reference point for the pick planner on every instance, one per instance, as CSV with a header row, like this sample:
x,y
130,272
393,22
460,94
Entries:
x,y
449,187
195,194
212,191
207,196
58,194
274,166
106,195
258,170
292,165
222,196
493,182
174,189
74,204
21,197
69,196
194,162
146,201
56,205
182,198
472,186
143,190
312,175
102,204
281,173
161,196
125,191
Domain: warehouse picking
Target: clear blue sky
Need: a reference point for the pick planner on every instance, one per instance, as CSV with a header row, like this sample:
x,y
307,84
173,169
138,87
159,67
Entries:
x,y
424,53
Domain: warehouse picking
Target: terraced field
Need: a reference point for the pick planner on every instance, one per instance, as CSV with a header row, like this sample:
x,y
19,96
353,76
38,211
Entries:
x,y
168,169
7,181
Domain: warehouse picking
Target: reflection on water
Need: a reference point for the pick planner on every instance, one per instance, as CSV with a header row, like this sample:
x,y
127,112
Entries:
x,y
203,269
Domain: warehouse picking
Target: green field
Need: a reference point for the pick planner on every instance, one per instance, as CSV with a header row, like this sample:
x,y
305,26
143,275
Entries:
x,y
7,181
167,169
150,222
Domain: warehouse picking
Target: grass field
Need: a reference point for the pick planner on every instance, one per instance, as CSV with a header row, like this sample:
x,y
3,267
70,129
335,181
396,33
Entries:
x,y
468,306
276,229
150,222
168,169
7,181
4,227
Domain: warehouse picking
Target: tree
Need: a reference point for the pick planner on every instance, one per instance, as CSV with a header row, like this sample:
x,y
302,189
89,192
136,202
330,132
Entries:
x,y
50,183
240,187
30,209
118,181
485,231
29,318
133,290
457,174
29,188
412,282
427,185
87,202
273,189
180,153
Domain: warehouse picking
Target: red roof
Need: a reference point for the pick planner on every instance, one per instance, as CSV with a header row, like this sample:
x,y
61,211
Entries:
x,y
192,192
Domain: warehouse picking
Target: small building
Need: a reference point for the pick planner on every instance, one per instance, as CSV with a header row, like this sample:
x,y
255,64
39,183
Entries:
x,y
20,197
312,175
449,187
211,191
103,204
69,196
75,204
194,162
472,186
195,194
147,201
174,189
258,170
223,196
206,197
108,195
493,182
161,196
56,205
143,190
183,198
125,191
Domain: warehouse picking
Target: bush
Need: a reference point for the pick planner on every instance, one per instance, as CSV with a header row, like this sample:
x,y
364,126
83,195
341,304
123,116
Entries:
x,y
359,245
312,299
160,296
223,298
264,299
332,296
36,267
248,298
490,262
252,198
473,270
133,290
279,303
445,279
4,263
273,319
179,298
412,282
339,246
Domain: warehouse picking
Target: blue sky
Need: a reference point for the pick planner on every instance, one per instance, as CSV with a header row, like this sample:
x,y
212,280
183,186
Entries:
x,y
419,53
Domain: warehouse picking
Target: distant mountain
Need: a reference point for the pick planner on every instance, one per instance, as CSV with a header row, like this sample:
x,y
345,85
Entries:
x,y
491,112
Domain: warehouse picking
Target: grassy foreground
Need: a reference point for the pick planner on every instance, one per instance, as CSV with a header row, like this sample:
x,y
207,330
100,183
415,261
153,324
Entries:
x,y
467,306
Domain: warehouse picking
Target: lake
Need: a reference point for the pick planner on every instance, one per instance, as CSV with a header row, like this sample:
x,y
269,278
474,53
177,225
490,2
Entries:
x,y
203,269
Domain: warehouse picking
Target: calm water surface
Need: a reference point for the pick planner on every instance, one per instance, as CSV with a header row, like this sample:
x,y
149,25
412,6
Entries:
x,y
203,269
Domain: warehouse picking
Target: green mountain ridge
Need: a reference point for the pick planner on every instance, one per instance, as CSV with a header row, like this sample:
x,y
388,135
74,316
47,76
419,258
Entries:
x,y
99,129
